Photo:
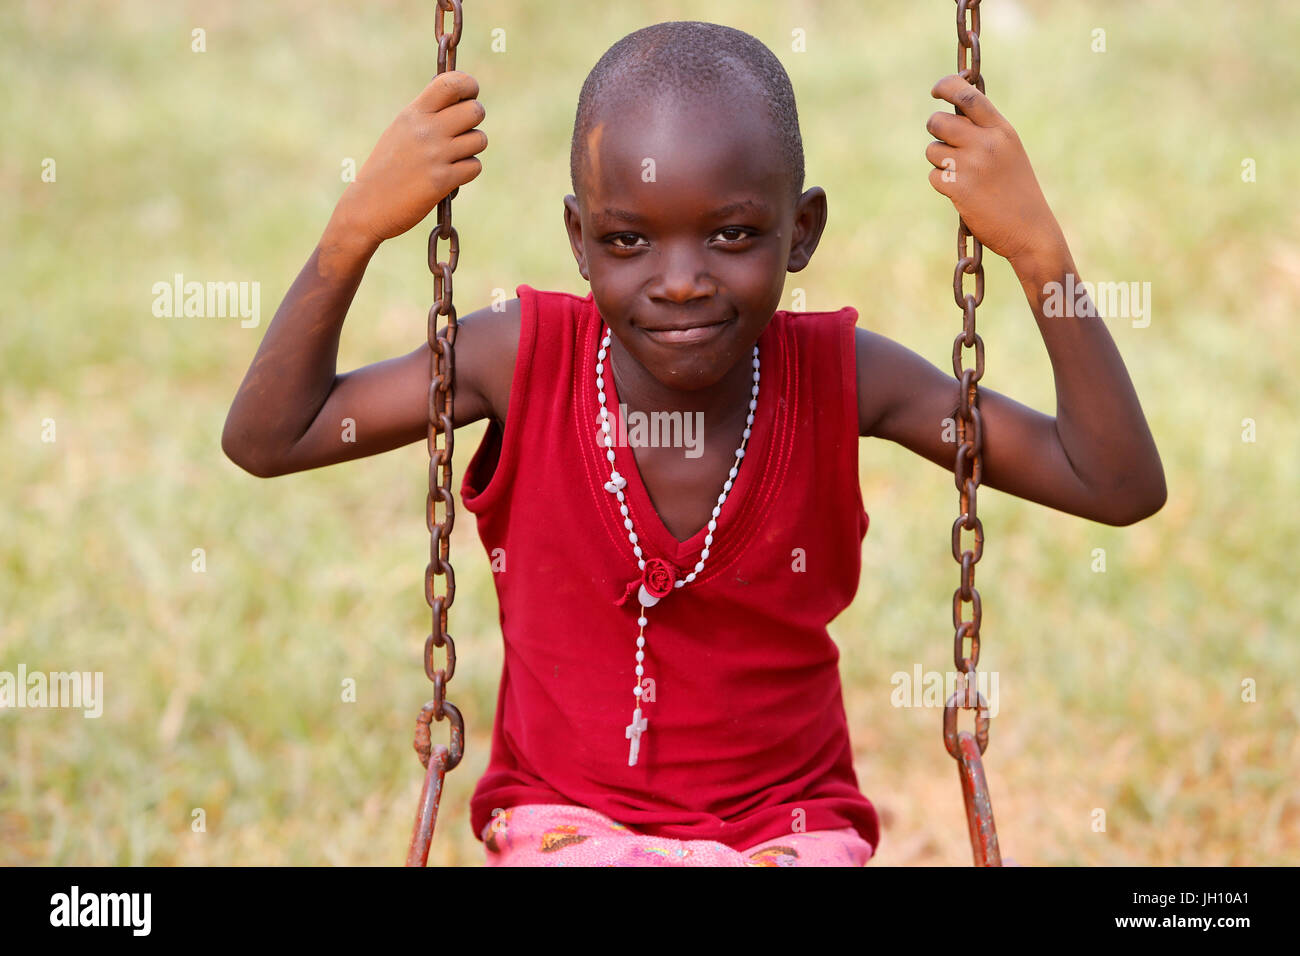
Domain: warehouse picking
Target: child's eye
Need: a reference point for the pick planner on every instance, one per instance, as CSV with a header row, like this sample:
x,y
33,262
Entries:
x,y
631,240
738,232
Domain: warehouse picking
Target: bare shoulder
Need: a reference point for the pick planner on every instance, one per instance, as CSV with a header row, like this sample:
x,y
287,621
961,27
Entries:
x,y
891,379
487,342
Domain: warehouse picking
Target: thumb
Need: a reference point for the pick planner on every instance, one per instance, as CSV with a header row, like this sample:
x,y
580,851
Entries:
x,y
445,89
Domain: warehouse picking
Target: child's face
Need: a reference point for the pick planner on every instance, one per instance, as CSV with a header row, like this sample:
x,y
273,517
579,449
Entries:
x,y
687,223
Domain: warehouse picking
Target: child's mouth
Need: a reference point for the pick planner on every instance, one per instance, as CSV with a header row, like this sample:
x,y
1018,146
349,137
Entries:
x,y
693,335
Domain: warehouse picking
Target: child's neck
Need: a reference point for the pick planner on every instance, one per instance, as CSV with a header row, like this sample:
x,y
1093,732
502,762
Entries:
x,y
725,401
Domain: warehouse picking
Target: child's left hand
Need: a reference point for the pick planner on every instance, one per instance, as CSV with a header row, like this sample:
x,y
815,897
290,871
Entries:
x,y
982,167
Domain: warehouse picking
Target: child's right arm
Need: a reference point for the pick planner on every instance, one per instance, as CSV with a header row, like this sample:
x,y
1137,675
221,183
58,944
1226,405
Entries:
x,y
289,412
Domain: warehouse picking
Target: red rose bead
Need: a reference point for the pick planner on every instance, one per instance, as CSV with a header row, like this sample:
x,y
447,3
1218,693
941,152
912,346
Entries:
x,y
660,577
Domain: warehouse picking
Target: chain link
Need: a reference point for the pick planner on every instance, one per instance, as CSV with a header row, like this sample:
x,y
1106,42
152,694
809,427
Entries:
x,y
967,472
440,504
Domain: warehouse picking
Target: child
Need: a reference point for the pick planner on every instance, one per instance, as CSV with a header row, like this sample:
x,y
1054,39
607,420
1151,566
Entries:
x,y
684,589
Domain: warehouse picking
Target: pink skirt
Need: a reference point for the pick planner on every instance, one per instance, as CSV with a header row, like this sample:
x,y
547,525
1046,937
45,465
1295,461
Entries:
x,y
553,834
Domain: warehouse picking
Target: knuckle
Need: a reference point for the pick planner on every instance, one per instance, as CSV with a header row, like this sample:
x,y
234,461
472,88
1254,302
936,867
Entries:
x,y
999,140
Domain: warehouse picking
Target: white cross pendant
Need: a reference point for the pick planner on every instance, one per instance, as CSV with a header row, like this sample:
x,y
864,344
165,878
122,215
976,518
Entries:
x,y
633,733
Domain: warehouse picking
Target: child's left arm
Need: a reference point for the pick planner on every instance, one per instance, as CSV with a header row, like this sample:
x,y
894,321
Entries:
x,y
1096,458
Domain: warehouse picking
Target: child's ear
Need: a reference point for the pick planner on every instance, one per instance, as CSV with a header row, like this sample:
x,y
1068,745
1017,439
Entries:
x,y
573,226
809,221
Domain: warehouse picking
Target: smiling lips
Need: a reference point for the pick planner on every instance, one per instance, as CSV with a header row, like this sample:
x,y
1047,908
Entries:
x,y
688,335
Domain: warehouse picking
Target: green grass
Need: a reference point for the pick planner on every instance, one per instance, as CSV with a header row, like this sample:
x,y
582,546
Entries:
x,y
1119,691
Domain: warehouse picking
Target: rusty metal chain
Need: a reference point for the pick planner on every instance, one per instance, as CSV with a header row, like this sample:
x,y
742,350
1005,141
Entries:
x,y
439,759
967,471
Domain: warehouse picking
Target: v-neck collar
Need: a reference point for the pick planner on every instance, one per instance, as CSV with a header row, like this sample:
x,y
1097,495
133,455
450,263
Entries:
x,y
757,479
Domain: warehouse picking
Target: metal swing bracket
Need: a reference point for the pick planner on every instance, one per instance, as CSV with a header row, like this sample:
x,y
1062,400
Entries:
x,y
967,748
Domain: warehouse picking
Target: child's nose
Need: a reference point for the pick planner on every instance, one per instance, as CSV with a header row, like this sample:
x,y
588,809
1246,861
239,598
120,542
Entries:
x,y
683,277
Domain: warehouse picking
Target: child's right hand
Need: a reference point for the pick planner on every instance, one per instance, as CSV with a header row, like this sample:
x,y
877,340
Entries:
x,y
425,153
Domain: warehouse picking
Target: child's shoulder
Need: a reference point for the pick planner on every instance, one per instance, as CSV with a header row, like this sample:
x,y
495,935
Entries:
x,y
551,300
878,371
486,349
491,340
845,311
828,329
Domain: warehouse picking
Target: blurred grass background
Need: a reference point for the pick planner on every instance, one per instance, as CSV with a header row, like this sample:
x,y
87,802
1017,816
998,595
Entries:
x,y
1119,691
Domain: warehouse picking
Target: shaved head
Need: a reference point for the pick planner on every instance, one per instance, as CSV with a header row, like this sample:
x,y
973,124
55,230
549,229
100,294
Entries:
x,y
687,61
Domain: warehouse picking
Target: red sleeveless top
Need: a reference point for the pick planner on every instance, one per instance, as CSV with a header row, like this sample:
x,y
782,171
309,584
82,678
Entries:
x,y
747,737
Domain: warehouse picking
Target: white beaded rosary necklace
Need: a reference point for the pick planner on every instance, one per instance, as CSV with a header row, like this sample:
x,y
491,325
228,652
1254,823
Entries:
x,y
665,573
